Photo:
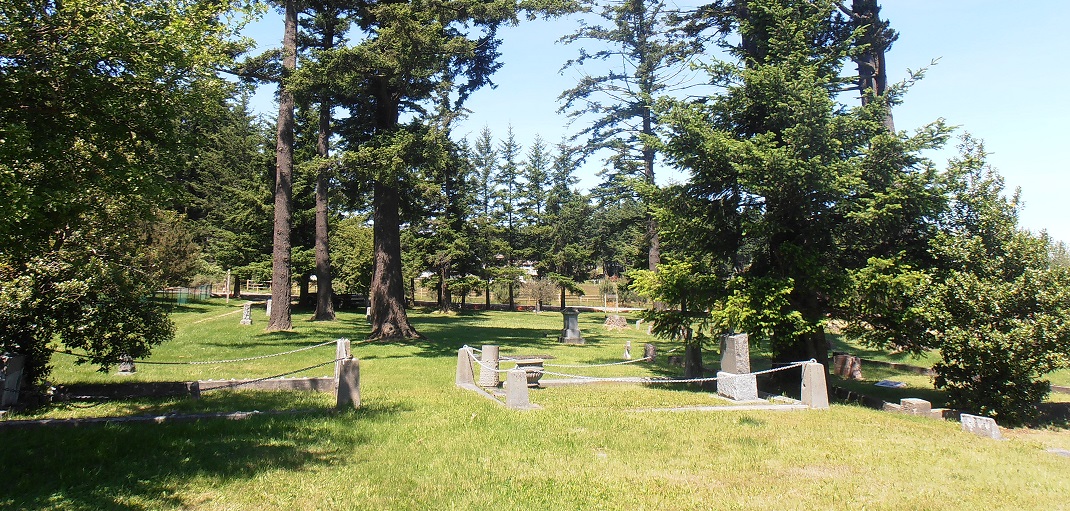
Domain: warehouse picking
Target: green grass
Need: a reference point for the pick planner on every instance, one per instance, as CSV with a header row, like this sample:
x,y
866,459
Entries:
x,y
421,443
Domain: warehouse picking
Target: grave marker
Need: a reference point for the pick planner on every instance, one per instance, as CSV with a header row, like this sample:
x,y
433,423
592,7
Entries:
x,y
733,380
981,426
247,313
488,369
570,334
10,378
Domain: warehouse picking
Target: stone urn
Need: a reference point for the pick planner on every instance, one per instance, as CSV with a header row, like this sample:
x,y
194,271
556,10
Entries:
x,y
533,370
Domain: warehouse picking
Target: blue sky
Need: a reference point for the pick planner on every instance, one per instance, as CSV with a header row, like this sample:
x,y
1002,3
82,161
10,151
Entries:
x,y
1000,74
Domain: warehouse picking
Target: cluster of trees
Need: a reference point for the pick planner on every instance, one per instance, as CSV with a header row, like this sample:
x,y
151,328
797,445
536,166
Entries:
x,y
125,155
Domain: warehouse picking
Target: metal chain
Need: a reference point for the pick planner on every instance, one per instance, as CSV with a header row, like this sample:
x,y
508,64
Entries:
x,y
210,362
258,380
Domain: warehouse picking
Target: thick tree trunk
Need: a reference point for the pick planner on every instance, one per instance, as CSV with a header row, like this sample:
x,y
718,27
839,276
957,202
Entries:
x,y
654,253
388,317
324,278
280,260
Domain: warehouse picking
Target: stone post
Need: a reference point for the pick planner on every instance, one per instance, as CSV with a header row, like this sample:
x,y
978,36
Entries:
x,y
628,350
267,308
488,370
465,376
341,352
247,313
734,380
11,378
570,334
348,385
516,389
814,390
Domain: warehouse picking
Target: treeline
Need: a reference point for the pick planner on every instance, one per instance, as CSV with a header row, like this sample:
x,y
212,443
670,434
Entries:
x,y
129,162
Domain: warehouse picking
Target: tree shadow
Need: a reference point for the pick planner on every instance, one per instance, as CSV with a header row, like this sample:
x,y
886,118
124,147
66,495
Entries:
x,y
149,466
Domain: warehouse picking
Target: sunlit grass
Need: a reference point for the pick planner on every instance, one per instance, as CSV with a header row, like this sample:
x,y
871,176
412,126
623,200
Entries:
x,y
419,442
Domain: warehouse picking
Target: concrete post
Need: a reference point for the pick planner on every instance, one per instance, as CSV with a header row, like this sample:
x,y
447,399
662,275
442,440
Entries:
x,y
341,352
267,308
814,389
516,389
489,359
348,391
465,377
650,352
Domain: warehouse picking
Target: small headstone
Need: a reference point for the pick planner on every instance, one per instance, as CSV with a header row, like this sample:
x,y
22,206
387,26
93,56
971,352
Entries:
x,y
981,426
126,365
267,308
570,334
637,323
735,354
247,314
915,406
615,322
10,378
628,350
650,352
848,367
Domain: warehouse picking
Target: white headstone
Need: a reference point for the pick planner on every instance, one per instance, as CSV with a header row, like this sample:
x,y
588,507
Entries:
x,y
981,426
267,308
247,314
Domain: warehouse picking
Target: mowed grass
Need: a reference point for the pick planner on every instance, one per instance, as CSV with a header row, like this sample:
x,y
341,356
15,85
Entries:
x,y
419,442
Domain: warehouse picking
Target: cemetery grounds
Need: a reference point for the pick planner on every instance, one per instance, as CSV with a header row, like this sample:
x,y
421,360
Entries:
x,y
419,442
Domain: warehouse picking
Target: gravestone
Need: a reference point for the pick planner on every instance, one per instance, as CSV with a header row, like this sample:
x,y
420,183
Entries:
x,y
570,334
615,322
247,313
488,368
649,352
848,367
915,406
126,365
628,350
10,378
981,426
734,380
735,354
267,308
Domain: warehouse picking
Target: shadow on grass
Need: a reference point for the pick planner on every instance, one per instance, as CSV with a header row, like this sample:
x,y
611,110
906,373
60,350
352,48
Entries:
x,y
152,466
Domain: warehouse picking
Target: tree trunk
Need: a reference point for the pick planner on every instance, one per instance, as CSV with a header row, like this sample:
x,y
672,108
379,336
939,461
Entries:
x,y
878,38
280,260
486,291
388,317
562,298
654,253
324,278
512,303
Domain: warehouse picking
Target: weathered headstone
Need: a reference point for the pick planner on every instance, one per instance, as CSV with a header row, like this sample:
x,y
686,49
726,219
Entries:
x,y
348,384
650,352
814,389
247,313
735,354
570,334
488,367
616,322
126,365
10,378
267,308
733,380
915,406
981,426
848,367
465,375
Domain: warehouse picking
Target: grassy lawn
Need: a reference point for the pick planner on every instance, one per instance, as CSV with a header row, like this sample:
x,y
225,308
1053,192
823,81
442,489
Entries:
x,y
421,443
